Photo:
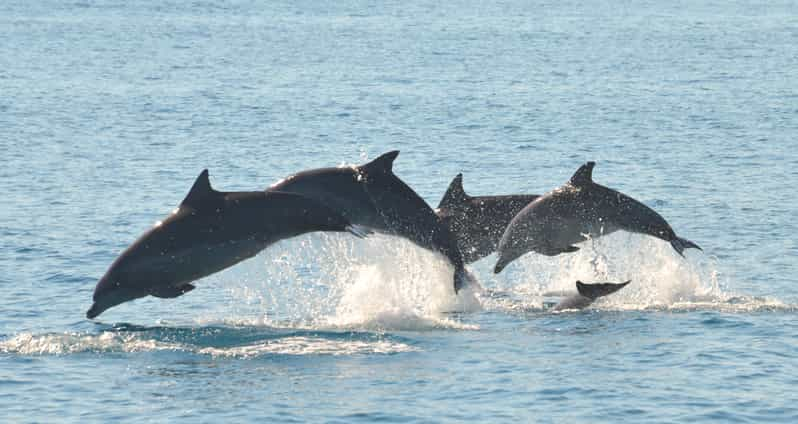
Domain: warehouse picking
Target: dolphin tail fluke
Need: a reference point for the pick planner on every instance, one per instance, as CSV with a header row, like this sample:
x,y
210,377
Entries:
x,y
359,231
679,244
462,278
597,290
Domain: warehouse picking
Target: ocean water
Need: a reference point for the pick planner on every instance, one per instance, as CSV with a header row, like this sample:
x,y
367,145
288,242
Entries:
x,y
110,109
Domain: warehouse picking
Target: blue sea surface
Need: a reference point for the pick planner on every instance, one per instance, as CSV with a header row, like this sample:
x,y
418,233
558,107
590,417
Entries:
x,y
109,110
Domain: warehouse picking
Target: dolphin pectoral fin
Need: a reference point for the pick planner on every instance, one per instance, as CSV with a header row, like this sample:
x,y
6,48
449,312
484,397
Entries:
x,y
554,251
171,292
679,244
359,231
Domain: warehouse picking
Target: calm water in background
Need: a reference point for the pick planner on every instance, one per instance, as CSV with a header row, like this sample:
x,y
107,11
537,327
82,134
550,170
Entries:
x,y
109,110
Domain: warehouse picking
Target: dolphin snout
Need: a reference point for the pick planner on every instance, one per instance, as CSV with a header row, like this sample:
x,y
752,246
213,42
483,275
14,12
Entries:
x,y
94,311
103,295
111,292
500,265
103,290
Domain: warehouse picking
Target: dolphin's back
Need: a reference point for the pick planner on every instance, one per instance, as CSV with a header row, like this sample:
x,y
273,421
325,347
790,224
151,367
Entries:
x,y
339,189
478,222
372,196
407,215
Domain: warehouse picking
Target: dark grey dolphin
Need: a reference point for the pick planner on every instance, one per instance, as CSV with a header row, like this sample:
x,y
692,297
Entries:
x,y
210,231
553,223
372,196
587,294
478,222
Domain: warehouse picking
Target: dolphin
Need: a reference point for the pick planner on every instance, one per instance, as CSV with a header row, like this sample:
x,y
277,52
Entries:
x,y
478,222
372,196
587,294
553,223
210,231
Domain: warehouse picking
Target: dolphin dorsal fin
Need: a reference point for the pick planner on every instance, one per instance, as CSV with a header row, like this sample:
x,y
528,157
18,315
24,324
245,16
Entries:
x,y
382,164
583,175
200,192
454,194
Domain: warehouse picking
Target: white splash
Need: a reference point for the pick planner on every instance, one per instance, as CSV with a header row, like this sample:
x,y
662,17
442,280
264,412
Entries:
x,y
660,277
72,343
411,299
68,343
282,180
310,346
380,283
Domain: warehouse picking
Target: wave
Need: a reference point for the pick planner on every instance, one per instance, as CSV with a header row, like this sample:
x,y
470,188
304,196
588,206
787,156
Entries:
x,y
68,343
356,293
513,302
216,341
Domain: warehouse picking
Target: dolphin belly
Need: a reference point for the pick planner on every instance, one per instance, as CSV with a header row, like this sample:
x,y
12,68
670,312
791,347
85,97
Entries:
x,y
203,260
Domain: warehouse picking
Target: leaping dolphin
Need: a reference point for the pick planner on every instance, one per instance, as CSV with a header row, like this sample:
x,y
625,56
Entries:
x,y
556,221
372,196
208,232
587,294
478,222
